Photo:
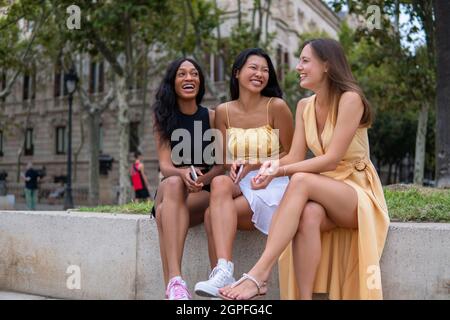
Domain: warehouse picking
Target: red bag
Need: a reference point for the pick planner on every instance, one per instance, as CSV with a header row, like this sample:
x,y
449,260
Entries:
x,y
136,178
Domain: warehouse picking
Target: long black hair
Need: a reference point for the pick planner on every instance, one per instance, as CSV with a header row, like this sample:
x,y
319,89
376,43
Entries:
x,y
166,106
272,88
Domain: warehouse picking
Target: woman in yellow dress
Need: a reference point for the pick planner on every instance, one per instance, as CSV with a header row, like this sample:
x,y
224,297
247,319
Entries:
x,y
331,225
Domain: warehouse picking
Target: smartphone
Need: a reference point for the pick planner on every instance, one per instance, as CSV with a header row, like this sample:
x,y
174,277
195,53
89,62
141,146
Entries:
x,y
193,174
239,171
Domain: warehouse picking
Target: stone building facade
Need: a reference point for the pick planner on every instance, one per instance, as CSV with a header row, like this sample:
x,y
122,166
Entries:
x,y
36,113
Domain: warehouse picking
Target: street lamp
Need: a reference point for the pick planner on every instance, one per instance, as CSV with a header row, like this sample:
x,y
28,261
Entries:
x,y
70,83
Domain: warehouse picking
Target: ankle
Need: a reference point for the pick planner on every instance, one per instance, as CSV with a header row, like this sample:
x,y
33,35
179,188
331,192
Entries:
x,y
260,275
174,277
227,264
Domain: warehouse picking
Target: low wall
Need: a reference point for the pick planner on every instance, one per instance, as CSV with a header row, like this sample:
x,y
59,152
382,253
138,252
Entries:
x,y
7,202
104,256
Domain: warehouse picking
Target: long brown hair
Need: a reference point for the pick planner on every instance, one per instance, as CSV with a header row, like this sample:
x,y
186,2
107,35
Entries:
x,y
339,75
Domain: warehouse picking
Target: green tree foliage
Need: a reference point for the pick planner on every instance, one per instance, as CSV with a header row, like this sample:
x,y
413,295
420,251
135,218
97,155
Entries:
x,y
397,80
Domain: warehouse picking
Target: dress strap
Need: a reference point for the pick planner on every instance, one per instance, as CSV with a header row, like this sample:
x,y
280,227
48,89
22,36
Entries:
x,y
267,107
228,117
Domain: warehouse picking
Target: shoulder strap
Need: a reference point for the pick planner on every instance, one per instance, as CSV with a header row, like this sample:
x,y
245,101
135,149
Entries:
x,y
228,117
267,107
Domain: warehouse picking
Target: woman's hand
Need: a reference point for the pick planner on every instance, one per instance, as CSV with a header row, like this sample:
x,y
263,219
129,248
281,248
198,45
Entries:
x,y
268,171
192,186
235,168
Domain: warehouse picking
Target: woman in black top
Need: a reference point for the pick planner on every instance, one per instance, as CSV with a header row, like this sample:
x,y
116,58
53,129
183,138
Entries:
x,y
180,201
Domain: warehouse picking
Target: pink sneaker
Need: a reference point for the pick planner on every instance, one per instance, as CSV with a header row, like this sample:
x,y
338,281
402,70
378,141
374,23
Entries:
x,y
177,290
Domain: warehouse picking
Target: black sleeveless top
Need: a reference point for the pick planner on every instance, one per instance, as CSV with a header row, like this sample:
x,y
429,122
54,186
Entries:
x,y
191,138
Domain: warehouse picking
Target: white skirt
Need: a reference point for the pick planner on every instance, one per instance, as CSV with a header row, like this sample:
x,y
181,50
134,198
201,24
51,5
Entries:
x,y
263,202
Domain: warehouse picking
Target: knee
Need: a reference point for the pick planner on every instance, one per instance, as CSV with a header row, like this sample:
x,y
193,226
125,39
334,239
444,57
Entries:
x,y
301,178
221,184
311,218
174,184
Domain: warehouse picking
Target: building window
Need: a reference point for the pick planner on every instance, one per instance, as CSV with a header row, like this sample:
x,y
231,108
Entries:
x,y
29,146
312,26
300,16
58,86
286,60
217,67
28,87
61,140
134,136
1,143
96,77
282,62
279,60
219,74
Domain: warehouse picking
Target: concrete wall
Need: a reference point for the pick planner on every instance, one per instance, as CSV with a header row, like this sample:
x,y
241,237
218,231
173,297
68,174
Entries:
x,y
118,257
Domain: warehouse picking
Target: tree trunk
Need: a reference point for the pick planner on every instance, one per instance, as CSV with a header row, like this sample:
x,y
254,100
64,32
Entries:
x,y
239,14
22,146
123,123
396,172
269,3
94,152
421,139
442,12
389,181
77,152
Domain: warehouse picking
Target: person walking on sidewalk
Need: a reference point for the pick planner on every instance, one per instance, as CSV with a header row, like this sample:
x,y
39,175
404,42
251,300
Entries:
x,y
139,179
31,178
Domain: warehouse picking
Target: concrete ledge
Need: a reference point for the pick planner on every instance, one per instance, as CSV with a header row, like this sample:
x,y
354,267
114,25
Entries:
x,y
118,257
7,202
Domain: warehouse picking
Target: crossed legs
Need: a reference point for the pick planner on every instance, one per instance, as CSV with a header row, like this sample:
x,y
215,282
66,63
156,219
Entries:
x,y
324,203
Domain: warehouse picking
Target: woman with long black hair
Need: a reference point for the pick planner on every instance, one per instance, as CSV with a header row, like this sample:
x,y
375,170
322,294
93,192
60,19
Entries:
x,y
259,126
181,198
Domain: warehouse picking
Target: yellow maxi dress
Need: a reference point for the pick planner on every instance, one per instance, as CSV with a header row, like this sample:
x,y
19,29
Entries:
x,y
349,264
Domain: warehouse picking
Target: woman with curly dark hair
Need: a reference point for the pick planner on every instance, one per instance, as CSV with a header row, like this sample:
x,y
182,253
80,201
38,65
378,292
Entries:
x,y
181,198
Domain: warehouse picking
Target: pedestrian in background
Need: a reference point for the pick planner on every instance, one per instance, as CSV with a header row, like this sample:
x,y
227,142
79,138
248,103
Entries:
x,y
31,178
138,178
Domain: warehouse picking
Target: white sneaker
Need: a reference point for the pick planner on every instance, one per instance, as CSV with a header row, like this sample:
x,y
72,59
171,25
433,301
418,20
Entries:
x,y
221,276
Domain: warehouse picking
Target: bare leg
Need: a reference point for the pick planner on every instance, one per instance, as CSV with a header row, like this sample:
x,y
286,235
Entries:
x,y
176,210
211,249
161,244
338,199
244,222
306,246
224,213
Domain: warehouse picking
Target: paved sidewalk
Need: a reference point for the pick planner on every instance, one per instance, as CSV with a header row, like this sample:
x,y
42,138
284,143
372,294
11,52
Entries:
x,y
7,295
39,207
